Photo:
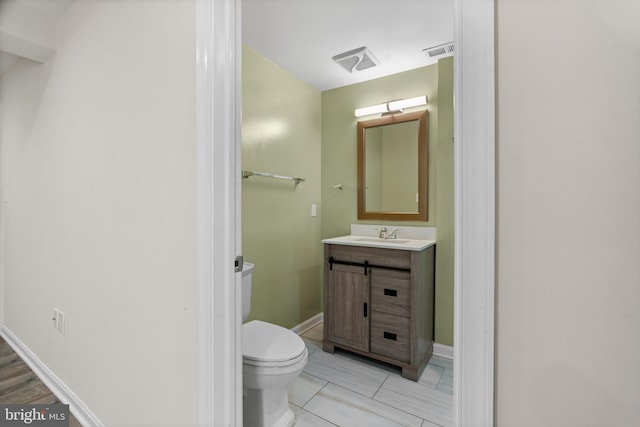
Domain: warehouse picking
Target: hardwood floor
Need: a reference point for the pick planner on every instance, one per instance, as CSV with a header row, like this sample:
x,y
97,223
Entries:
x,y
19,384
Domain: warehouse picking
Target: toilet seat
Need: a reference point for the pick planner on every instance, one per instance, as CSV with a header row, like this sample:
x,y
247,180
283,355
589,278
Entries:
x,y
268,345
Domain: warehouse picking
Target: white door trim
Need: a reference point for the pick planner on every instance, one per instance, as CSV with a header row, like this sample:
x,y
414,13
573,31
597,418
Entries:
x,y
474,175
218,154
220,382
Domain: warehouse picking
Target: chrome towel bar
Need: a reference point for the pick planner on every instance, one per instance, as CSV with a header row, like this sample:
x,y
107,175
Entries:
x,y
247,174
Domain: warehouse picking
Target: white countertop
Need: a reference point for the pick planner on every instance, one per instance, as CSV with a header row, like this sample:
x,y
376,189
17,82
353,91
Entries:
x,y
375,242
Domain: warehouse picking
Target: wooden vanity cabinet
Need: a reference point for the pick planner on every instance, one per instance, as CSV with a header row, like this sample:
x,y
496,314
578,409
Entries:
x,y
378,302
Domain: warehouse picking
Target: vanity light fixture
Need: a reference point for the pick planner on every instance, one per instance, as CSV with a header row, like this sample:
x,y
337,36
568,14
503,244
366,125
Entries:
x,y
392,106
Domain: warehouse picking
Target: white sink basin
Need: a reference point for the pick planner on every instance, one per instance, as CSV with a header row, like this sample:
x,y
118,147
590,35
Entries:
x,y
378,240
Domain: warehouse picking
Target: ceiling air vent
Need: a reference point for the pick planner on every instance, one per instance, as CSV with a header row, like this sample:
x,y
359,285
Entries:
x,y
437,52
356,60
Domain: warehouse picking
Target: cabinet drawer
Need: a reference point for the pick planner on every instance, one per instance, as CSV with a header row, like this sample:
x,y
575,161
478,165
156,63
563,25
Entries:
x,y
390,292
390,336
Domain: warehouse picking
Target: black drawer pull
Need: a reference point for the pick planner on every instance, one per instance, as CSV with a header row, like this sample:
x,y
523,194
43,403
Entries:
x,y
391,292
366,309
390,336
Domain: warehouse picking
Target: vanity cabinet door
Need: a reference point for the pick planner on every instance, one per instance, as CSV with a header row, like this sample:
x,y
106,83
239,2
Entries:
x,y
348,305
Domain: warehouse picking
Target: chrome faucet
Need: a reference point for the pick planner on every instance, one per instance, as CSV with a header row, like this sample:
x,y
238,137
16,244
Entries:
x,y
383,233
394,234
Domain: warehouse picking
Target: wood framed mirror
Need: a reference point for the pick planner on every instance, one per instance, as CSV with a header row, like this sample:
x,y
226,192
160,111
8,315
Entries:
x,y
392,167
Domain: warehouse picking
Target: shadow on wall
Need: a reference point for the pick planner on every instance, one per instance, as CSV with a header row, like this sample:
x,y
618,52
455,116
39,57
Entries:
x,y
311,291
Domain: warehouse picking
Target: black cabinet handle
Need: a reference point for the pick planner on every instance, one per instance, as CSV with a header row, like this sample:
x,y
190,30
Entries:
x,y
391,292
365,309
390,336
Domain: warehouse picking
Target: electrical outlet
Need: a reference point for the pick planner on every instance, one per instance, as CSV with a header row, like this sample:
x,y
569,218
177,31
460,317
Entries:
x,y
61,325
58,320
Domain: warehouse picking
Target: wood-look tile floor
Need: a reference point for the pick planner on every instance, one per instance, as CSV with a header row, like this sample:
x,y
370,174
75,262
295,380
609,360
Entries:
x,y
19,385
346,390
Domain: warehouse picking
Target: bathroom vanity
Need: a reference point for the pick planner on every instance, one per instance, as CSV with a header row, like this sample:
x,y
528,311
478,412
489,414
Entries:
x,y
379,299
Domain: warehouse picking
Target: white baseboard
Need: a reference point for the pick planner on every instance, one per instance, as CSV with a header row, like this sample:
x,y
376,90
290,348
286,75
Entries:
x,y
443,350
308,324
76,406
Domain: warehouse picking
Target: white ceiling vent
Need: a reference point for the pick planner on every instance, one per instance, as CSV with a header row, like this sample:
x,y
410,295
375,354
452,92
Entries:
x,y
357,59
436,52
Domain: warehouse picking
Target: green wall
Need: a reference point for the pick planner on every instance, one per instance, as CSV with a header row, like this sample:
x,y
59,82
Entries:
x,y
444,205
281,135
339,159
290,128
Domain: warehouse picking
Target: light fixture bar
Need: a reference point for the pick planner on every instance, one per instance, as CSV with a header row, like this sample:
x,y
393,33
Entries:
x,y
392,106
407,103
374,109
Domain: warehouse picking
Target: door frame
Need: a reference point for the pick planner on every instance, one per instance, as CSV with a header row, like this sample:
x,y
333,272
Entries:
x,y
474,188
219,229
218,122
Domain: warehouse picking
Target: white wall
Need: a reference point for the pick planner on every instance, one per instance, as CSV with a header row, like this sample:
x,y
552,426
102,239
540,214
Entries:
x,y
568,290
98,162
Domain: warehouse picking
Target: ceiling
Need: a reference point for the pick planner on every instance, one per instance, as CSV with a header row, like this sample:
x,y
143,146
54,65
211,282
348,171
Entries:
x,y
302,36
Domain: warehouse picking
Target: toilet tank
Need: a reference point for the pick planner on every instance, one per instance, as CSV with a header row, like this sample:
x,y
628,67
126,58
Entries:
x,y
247,272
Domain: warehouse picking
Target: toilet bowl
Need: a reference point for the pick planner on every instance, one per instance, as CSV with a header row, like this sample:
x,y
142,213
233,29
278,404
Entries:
x,y
272,357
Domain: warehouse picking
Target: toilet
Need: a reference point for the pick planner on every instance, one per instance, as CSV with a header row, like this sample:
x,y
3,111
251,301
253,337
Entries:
x,y
272,357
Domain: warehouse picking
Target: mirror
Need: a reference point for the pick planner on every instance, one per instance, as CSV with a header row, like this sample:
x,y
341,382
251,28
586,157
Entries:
x,y
392,167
